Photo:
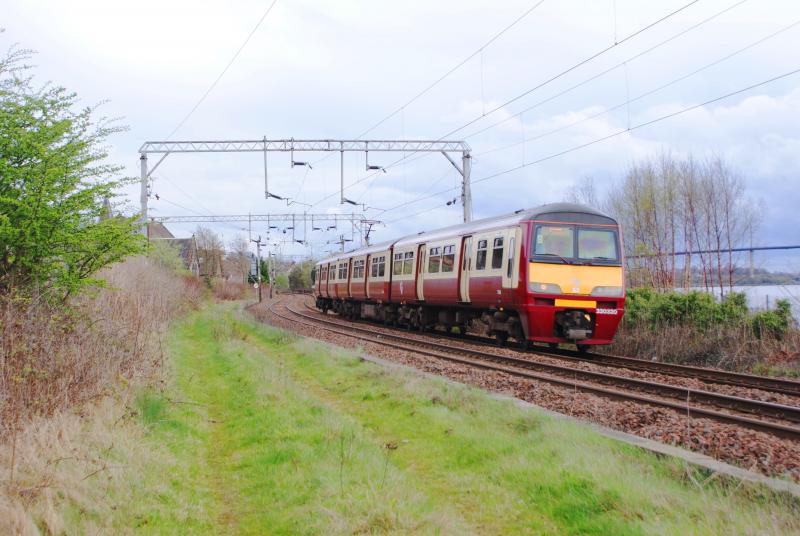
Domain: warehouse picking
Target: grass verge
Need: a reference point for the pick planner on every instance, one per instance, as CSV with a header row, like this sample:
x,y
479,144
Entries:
x,y
273,434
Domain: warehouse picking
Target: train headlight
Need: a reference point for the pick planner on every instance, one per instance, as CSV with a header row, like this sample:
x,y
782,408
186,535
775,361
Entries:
x,y
613,292
544,288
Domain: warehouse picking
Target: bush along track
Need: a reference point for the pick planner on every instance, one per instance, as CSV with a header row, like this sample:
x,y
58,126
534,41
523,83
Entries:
x,y
694,328
275,434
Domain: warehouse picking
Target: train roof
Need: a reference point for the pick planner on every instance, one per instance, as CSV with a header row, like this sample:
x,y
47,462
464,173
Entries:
x,y
572,212
372,248
564,212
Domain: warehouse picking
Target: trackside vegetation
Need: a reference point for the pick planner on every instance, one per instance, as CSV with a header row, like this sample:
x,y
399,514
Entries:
x,y
55,188
645,306
267,433
694,327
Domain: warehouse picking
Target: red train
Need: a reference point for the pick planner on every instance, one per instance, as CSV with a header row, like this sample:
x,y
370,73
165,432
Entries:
x,y
549,274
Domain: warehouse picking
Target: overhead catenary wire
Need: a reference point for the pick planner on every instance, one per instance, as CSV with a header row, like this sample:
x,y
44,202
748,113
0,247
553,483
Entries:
x,y
573,67
530,90
647,93
606,71
610,69
453,69
184,192
429,87
602,139
225,70
161,198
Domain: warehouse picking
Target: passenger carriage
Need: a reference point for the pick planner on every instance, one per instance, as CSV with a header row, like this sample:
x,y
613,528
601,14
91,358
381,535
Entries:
x,y
549,274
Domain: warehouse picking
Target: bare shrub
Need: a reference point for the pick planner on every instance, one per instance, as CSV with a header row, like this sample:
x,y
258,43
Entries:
x,y
695,328
669,206
728,346
229,290
54,357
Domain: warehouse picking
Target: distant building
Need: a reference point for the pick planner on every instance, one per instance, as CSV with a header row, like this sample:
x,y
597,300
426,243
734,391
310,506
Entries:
x,y
158,230
187,247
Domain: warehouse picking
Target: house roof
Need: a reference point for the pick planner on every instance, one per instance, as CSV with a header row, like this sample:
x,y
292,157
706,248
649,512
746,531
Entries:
x,y
157,229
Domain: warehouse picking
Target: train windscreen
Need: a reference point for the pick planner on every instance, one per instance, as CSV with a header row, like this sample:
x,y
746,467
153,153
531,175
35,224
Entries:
x,y
574,244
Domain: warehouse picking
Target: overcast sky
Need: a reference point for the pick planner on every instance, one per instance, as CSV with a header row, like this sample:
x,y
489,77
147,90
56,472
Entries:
x,y
332,69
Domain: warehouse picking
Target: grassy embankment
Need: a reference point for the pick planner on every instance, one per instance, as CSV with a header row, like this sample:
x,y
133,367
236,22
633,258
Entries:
x,y
263,433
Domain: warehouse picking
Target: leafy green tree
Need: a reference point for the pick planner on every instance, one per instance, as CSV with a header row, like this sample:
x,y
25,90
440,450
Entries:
x,y
282,281
55,229
166,255
296,278
774,322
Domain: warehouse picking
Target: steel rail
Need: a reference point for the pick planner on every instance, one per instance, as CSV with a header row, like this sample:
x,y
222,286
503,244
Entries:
x,y
724,377
765,383
524,369
756,407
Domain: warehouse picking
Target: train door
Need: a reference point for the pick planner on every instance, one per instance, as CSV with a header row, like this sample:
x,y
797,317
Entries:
x,y
512,237
349,291
421,260
466,268
367,262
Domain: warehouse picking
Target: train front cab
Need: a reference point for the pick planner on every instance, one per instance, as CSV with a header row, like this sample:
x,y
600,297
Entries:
x,y
575,281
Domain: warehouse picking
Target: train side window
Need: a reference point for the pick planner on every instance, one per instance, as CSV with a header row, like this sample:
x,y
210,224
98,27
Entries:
x,y
397,264
434,260
374,267
343,271
381,266
448,258
480,258
510,256
331,272
358,269
408,263
497,253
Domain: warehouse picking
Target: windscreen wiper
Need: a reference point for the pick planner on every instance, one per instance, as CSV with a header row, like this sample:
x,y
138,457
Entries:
x,y
555,255
589,261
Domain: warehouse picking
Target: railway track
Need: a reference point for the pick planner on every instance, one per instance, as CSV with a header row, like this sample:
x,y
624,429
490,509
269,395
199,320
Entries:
x,y
764,383
776,419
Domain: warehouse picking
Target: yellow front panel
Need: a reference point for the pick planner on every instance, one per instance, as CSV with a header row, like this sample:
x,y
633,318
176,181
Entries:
x,y
576,303
575,279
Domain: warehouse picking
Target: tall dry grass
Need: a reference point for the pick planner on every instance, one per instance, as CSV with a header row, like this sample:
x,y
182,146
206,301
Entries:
x,y
53,357
95,462
229,290
728,346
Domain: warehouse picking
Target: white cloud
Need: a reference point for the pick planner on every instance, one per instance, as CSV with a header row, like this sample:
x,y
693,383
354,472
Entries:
x,y
332,68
